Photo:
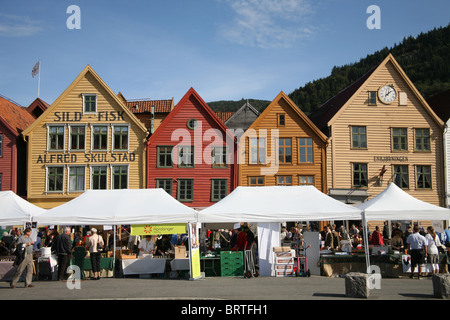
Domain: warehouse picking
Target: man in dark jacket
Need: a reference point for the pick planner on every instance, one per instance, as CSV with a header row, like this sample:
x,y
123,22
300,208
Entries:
x,y
62,245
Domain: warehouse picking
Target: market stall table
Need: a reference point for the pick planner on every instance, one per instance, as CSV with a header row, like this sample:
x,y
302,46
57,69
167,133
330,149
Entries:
x,y
143,266
179,266
210,266
390,264
106,267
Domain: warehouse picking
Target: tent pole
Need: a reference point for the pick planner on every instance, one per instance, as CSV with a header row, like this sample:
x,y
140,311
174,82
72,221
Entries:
x,y
114,248
366,241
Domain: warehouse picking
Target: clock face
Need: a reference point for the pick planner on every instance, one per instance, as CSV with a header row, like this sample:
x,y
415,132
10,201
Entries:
x,y
387,94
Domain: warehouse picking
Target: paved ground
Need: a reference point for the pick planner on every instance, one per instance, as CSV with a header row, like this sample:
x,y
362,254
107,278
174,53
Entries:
x,y
216,288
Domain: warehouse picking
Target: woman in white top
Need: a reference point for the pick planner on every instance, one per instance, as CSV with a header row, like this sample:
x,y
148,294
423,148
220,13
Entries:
x,y
146,246
95,242
433,249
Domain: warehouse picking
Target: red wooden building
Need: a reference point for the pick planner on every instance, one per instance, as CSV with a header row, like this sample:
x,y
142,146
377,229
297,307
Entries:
x,y
191,155
13,120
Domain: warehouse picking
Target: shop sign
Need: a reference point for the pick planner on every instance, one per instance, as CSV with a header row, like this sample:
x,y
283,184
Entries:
x,y
87,158
390,159
156,229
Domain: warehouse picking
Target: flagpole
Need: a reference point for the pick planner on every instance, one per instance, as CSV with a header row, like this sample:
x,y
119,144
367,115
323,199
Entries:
x,y
39,80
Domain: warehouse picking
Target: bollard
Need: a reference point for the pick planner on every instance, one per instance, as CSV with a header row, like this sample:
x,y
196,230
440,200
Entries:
x,y
356,285
441,285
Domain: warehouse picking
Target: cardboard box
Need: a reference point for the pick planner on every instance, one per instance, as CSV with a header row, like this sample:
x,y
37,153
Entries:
x,y
281,249
121,252
284,260
284,267
284,254
180,252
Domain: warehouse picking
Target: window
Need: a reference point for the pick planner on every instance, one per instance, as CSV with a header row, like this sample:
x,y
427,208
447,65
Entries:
x,y
281,119
401,176
372,98
186,157
120,137
56,137
423,141
76,179
165,184
77,137
185,190
423,177
90,103
1,144
400,139
257,150
306,180
360,175
256,181
284,180
305,146
192,124
284,150
219,157
219,188
99,177
55,179
359,138
164,155
100,137
119,177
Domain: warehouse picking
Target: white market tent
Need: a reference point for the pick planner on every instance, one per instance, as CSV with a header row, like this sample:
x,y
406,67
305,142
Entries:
x,y
268,206
277,204
119,207
15,210
395,204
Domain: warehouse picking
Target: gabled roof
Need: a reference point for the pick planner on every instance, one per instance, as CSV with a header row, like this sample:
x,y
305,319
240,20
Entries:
x,y
87,69
295,108
178,107
440,103
245,106
330,110
224,115
13,116
145,106
37,104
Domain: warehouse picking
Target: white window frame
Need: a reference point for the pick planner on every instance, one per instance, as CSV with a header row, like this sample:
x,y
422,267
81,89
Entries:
x,y
107,137
48,137
112,137
112,174
68,179
91,172
69,146
46,179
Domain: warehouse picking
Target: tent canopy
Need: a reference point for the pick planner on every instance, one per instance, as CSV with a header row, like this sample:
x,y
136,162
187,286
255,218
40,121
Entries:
x,y
117,207
16,211
395,204
278,204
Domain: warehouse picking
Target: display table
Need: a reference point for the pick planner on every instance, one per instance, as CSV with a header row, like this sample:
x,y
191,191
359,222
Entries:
x,y
390,264
210,266
106,267
179,264
143,266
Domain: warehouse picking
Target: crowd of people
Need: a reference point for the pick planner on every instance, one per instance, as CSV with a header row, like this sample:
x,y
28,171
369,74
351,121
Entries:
x,y
234,240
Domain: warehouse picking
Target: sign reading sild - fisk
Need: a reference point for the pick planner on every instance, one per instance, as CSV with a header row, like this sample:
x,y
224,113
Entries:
x,y
87,139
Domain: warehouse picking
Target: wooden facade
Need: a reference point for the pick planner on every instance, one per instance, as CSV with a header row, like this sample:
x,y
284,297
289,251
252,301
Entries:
x,y
282,147
191,154
87,139
373,143
13,120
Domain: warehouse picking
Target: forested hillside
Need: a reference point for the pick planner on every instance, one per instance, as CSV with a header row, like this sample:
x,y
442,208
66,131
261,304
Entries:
x,y
425,59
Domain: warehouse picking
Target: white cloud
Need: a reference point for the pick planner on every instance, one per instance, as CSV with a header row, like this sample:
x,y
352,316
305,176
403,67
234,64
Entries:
x,y
18,26
267,23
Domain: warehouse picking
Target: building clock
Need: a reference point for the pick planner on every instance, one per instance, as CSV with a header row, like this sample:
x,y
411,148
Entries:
x,y
387,94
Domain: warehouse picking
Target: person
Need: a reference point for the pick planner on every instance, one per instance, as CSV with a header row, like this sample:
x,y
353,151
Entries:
x,y
377,237
433,249
329,241
162,246
38,243
225,239
241,241
51,236
397,241
353,230
95,242
62,245
417,245
85,239
396,227
335,236
283,233
407,233
8,241
250,237
146,246
386,236
27,263
447,237
77,239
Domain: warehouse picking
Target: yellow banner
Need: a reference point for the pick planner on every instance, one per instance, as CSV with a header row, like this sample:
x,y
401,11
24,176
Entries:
x,y
155,229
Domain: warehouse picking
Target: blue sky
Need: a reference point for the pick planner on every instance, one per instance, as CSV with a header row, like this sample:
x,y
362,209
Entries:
x,y
225,49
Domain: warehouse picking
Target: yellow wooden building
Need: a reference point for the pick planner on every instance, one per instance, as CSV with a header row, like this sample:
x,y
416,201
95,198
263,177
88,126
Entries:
x,y
282,147
381,130
87,139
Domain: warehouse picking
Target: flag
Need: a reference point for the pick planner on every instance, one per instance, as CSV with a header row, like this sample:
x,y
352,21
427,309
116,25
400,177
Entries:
x,y
36,68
